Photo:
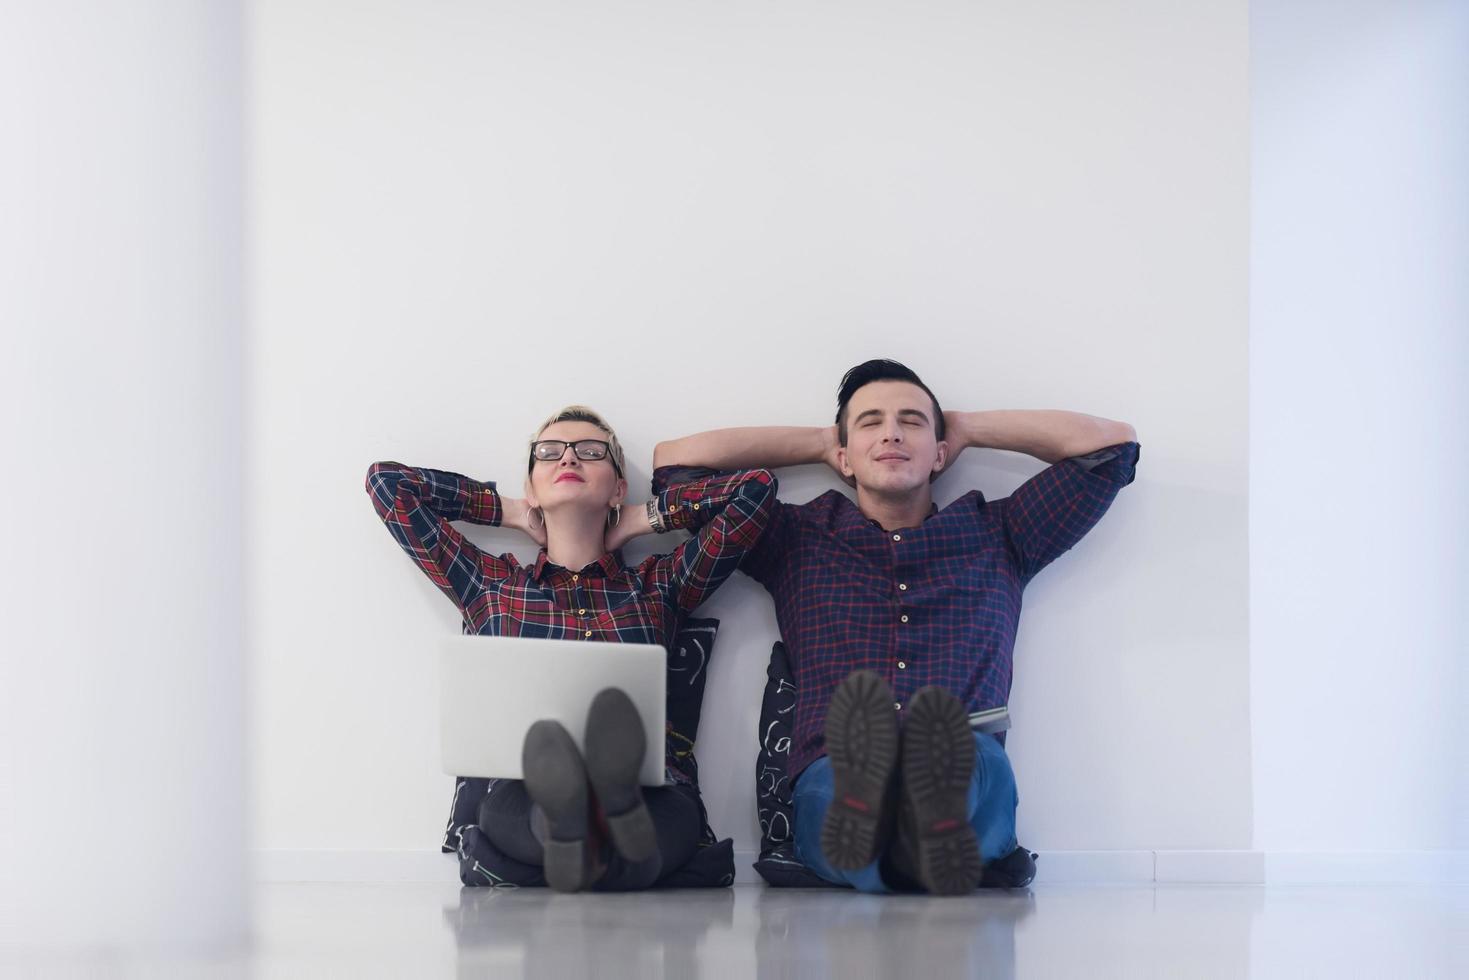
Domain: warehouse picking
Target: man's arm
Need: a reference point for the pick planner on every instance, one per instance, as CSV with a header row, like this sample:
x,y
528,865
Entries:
x,y
753,447
1047,435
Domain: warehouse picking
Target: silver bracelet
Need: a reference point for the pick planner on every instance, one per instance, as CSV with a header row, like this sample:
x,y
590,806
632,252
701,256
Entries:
x,y
655,519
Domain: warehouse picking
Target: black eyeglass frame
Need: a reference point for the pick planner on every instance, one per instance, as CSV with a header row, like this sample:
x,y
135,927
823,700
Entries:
x,y
575,445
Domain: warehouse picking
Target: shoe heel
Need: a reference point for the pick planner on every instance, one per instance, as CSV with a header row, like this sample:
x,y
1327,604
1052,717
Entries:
x,y
565,864
633,834
848,840
949,864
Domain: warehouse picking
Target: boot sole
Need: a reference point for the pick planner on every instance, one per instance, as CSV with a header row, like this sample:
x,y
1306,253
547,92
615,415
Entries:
x,y
938,763
556,780
862,744
615,746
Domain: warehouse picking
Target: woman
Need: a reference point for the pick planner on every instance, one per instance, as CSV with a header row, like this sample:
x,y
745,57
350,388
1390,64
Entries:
x,y
578,588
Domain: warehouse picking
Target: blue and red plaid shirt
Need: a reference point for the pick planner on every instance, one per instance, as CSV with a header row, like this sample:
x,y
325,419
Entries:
x,y
933,604
606,601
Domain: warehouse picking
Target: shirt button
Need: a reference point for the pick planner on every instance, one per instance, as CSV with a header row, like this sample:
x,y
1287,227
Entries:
x,y
903,618
589,634
673,509
897,537
576,578
902,665
897,706
696,506
581,612
902,586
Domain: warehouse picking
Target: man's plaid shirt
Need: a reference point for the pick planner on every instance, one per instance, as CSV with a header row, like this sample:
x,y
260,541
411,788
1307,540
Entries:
x,y
934,604
606,601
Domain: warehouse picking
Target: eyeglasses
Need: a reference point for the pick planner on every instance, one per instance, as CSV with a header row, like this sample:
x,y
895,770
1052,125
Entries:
x,y
551,450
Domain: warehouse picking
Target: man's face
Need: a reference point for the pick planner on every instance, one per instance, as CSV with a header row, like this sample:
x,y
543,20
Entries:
x,y
892,447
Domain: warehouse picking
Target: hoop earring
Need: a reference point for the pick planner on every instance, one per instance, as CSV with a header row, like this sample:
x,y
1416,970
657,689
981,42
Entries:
x,y
539,518
614,516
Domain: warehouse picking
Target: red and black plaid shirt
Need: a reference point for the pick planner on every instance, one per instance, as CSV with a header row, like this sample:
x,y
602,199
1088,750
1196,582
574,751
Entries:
x,y
605,601
934,604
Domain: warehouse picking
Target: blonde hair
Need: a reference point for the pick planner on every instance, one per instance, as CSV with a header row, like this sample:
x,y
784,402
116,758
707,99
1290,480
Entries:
x,y
580,413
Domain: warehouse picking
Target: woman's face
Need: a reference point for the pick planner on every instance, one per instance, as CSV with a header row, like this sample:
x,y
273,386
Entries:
x,y
592,484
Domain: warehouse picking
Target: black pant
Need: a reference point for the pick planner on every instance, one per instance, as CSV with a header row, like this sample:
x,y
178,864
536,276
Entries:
x,y
504,816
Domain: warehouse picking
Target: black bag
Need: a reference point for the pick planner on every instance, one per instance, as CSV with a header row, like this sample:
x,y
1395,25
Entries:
x,y
777,863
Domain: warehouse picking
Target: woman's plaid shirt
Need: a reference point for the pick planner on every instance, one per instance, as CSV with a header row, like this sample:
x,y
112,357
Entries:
x,y
605,601
934,604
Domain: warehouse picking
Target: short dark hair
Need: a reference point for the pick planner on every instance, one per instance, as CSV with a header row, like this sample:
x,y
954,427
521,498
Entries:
x,y
880,369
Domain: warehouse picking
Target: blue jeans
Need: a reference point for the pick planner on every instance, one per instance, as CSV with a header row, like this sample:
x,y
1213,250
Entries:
x,y
992,802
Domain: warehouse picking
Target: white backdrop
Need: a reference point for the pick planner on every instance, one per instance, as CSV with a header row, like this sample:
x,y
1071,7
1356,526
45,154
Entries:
x,y
1359,431
122,707
688,215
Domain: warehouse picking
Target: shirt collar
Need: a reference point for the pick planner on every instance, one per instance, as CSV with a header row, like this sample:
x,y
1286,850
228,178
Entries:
x,y
608,566
856,517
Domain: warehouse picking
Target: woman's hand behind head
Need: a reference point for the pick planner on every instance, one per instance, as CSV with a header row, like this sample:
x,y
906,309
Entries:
x,y
632,524
518,513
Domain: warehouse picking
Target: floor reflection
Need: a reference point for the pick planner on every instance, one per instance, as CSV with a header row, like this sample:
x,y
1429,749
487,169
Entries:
x,y
544,934
842,934
412,929
797,933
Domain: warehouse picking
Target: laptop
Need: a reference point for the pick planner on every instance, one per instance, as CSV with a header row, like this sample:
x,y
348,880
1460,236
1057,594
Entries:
x,y
492,688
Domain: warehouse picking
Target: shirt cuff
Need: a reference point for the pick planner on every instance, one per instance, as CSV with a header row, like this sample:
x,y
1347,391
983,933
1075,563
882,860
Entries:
x,y
483,504
678,509
1091,461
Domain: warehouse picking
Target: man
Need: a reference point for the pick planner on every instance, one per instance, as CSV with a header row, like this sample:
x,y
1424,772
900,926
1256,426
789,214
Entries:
x,y
900,619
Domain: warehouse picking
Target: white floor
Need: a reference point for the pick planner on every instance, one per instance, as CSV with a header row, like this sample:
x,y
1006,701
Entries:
x,y
425,930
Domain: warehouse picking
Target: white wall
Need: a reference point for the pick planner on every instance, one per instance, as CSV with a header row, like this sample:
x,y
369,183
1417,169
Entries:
x,y
122,774
465,215
1359,424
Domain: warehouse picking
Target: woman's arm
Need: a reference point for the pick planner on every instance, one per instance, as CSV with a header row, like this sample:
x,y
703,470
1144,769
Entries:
x,y
730,511
418,505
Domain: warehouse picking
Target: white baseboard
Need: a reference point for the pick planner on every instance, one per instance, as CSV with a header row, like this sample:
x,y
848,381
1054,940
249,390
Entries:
x,y
1054,867
1095,867
1209,867
1367,867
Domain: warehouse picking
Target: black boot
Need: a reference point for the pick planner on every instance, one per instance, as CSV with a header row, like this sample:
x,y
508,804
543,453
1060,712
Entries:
x,y
615,746
1014,870
556,780
862,745
935,843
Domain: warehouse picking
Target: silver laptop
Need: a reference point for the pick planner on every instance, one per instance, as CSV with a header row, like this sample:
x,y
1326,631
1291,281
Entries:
x,y
492,688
